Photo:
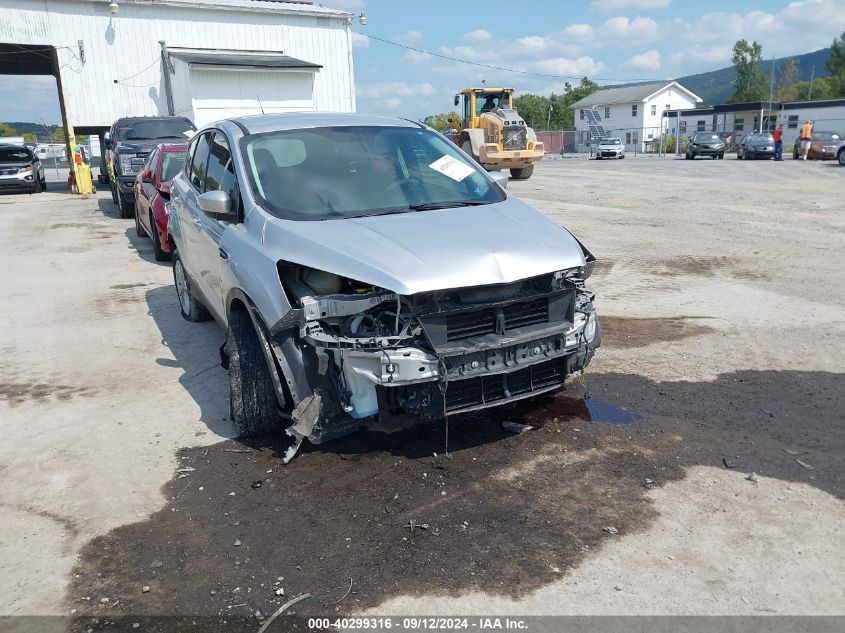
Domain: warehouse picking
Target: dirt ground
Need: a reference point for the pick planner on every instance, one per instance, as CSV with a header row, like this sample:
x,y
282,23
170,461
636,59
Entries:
x,y
723,311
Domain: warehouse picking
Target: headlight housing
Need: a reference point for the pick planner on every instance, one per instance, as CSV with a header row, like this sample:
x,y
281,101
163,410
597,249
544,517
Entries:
x,y
24,170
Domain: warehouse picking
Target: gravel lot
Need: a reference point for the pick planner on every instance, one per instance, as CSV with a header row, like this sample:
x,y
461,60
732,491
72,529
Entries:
x,y
720,291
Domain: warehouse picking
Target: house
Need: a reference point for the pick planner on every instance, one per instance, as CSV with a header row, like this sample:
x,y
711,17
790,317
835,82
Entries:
x,y
633,112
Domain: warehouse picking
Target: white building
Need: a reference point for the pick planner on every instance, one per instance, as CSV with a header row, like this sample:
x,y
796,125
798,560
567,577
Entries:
x,y
633,113
204,59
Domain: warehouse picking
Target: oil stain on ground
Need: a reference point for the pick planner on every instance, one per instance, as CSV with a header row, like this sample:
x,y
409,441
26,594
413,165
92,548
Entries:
x,y
505,514
626,332
700,267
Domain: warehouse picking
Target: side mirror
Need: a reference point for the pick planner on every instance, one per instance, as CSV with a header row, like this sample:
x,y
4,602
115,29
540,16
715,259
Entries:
x,y
217,205
147,176
457,99
500,178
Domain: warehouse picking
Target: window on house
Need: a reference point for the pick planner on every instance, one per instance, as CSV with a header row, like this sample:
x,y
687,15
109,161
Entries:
x,y
606,112
792,121
756,123
739,124
627,138
701,126
653,110
682,127
582,114
634,110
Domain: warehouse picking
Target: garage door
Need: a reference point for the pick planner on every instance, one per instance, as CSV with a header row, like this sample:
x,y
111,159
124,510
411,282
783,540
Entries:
x,y
221,93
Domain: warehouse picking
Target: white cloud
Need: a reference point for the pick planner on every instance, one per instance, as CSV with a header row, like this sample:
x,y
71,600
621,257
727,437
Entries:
x,y
573,67
650,60
478,35
621,31
394,89
390,104
612,6
411,37
360,41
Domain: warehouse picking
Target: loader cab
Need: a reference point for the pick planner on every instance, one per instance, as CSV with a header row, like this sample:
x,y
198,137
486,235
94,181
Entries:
x,y
477,101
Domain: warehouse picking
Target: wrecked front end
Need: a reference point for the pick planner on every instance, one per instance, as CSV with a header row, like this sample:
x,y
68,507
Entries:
x,y
374,356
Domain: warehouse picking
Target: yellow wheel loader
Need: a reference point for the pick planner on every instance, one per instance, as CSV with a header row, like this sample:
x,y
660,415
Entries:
x,y
494,134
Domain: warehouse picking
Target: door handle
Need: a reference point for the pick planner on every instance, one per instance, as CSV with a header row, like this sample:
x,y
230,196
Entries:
x,y
224,254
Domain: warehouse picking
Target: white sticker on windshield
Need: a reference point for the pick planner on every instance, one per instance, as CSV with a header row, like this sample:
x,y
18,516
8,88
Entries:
x,y
452,167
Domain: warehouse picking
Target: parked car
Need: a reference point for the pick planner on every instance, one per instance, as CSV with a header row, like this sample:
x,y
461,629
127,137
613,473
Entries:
x,y
129,143
366,267
756,145
21,169
705,144
152,193
823,146
610,148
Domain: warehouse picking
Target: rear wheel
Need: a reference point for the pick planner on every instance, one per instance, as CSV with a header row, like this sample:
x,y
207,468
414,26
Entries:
x,y
43,183
467,147
841,157
191,308
523,173
158,252
252,396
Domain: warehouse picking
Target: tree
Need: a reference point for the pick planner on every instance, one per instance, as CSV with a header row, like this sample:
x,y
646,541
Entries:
x,y
750,79
787,86
7,130
822,89
533,108
836,66
441,121
29,137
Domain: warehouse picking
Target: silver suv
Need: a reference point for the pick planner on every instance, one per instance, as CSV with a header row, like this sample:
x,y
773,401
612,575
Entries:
x,y
366,269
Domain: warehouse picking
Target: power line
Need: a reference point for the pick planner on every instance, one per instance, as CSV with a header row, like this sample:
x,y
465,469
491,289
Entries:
x,y
502,68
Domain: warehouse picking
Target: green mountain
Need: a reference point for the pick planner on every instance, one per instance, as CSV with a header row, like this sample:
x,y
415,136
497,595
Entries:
x,y
717,85
26,127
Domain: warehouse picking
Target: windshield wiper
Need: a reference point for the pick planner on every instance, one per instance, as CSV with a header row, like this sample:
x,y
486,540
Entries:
x,y
432,206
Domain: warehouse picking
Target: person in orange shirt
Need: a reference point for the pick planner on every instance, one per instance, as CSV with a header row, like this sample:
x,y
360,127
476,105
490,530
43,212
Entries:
x,y
778,136
806,138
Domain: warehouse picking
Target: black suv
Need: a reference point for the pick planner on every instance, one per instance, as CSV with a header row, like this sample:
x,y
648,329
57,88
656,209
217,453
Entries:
x,y
705,144
129,143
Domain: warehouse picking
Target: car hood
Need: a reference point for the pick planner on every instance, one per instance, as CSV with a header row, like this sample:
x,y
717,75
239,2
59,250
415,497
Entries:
x,y
430,250
15,165
140,146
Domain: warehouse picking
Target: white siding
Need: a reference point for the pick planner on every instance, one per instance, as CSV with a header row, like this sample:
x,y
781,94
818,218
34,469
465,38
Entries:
x,y
122,74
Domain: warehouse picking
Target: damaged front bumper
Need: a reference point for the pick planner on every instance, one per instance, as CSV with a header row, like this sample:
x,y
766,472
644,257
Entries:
x,y
455,361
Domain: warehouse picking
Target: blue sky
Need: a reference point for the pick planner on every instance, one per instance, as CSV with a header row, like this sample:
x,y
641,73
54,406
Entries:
x,y
549,41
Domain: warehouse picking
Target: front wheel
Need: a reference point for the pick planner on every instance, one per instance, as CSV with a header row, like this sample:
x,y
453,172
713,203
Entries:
x,y
523,173
127,208
721,156
158,251
138,230
622,156
841,157
192,310
113,187
252,396
467,147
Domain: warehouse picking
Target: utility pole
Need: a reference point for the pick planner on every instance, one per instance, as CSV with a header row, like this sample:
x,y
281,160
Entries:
x,y
812,76
549,121
771,92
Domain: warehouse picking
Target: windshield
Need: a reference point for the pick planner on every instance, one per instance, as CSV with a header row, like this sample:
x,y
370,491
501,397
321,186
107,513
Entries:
x,y
611,141
171,164
760,138
707,137
153,129
489,102
826,136
14,155
347,172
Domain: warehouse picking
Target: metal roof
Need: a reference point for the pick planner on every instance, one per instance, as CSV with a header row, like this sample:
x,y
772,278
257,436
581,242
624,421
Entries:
x,y
241,59
632,93
268,6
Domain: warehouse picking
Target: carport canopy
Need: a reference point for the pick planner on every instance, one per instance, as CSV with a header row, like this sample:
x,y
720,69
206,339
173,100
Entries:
x,y
236,60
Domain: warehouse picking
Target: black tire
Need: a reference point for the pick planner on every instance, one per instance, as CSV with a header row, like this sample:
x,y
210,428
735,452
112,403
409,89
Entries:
x,y
44,183
158,252
686,156
738,155
190,307
467,147
36,188
114,197
523,173
721,156
127,208
252,397
621,157
139,230
840,157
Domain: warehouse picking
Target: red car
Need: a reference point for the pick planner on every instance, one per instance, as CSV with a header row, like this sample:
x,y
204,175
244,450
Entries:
x,y
152,192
